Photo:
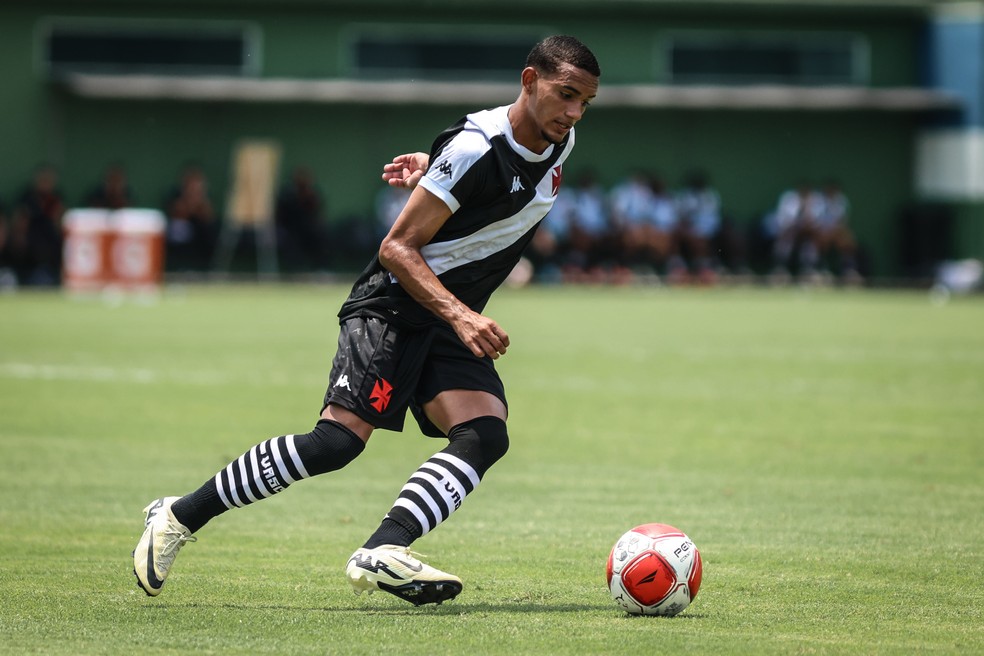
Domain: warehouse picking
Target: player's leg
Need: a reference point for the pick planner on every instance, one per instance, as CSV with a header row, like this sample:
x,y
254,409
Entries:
x,y
266,469
430,496
272,465
465,403
474,422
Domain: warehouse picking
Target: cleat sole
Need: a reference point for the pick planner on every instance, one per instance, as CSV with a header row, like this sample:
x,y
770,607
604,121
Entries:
x,y
420,593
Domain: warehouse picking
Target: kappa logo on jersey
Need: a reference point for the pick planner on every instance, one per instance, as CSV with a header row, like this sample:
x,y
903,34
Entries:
x,y
380,396
558,175
445,168
517,185
343,381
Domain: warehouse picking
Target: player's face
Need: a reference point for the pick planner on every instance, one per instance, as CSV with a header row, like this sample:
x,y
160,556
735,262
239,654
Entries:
x,y
560,100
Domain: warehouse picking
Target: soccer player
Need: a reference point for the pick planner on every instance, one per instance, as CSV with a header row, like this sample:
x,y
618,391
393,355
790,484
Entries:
x,y
413,335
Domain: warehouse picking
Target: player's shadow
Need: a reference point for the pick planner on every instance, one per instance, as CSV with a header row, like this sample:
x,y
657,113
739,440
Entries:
x,y
522,607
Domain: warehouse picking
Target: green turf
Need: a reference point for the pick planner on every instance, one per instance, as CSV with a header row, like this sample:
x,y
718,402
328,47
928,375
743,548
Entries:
x,y
825,451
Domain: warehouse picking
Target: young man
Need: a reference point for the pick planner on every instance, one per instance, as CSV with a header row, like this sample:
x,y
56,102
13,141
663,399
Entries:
x,y
413,335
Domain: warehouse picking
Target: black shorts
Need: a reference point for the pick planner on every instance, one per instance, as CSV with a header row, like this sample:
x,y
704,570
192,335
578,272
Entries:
x,y
381,369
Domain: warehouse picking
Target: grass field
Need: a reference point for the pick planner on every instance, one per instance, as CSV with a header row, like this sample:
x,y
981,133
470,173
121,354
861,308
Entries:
x,y
825,451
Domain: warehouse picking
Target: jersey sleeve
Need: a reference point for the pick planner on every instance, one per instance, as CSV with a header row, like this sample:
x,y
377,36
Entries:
x,y
447,176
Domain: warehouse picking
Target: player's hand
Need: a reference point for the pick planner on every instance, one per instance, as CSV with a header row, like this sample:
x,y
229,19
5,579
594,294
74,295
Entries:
x,y
406,170
482,335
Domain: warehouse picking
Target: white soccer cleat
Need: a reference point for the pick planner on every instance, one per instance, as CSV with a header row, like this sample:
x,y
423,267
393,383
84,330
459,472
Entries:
x,y
396,570
159,544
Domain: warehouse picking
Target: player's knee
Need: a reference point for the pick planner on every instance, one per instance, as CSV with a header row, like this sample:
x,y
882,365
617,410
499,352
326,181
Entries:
x,y
328,447
482,441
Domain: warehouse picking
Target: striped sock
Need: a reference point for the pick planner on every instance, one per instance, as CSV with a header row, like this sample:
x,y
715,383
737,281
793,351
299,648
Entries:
x,y
268,468
438,488
434,491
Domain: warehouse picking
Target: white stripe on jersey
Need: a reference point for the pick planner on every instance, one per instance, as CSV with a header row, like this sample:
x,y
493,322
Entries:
x,y
446,255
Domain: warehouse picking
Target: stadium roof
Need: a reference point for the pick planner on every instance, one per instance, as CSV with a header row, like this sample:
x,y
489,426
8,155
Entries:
x,y
236,89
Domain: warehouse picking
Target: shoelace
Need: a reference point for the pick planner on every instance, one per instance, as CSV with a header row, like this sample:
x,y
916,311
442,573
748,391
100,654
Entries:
x,y
173,540
413,554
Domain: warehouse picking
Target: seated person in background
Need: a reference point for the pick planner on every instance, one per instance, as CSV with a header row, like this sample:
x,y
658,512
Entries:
x,y
698,223
632,218
113,192
659,233
36,230
18,258
835,240
8,278
793,228
192,228
302,236
549,250
591,239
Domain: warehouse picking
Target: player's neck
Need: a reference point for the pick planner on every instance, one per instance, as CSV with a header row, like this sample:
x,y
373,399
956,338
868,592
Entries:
x,y
524,129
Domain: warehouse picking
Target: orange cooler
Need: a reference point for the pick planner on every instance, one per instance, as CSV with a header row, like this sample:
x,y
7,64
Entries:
x,y
86,266
137,249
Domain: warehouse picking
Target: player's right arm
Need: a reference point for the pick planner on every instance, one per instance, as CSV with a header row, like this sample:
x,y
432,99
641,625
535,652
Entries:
x,y
399,252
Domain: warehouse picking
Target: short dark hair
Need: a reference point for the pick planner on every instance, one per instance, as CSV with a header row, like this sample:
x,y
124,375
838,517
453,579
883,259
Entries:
x,y
548,55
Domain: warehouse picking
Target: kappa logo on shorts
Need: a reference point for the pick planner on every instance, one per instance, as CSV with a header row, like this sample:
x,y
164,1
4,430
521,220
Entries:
x,y
379,398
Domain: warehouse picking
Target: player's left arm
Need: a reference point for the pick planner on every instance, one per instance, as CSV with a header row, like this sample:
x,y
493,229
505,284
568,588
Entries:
x,y
400,253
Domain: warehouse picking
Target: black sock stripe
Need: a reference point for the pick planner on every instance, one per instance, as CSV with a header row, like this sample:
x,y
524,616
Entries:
x,y
449,468
421,504
436,491
223,488
292,471
240,482
428,484
254,485
270,476
452,475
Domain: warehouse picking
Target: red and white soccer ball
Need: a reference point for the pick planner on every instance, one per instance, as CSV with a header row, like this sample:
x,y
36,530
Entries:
x,y
654,569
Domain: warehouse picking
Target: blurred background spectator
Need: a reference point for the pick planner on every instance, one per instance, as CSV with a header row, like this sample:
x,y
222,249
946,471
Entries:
x,y
8,278
633,204
697,225
302,232
113,191
192,228
791,229
549,250
591,244
36,230
836,242
644,218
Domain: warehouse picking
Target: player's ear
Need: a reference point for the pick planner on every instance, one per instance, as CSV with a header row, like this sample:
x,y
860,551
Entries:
x,y
529,77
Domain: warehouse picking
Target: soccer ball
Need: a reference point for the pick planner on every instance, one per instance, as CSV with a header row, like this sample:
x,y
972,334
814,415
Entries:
x,y
654,569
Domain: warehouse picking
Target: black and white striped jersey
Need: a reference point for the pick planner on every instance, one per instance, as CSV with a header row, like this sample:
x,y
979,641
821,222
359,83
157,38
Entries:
x,y
498,192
